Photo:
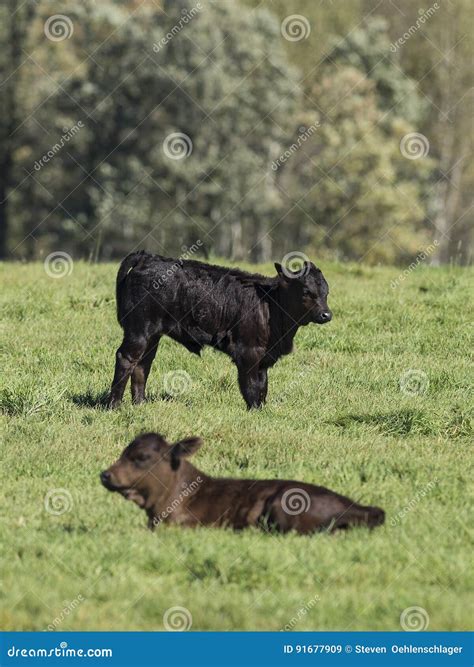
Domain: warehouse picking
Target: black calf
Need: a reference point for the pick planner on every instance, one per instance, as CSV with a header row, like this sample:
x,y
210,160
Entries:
x,y
251,318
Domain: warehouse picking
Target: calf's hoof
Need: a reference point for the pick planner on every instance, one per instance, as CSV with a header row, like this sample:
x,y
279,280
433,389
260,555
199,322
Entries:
x,y
112,403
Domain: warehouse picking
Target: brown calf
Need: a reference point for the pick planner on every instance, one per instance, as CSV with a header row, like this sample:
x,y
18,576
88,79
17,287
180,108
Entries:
x,y
157,477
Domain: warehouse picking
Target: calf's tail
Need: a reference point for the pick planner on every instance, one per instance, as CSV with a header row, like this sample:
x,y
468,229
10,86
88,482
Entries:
x,y
127,265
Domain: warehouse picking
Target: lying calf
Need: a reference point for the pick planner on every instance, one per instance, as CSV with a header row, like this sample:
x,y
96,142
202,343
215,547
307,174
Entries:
x,y
157,477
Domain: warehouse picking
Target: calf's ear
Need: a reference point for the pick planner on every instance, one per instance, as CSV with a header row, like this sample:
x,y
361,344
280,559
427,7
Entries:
x,y
282,274
183,448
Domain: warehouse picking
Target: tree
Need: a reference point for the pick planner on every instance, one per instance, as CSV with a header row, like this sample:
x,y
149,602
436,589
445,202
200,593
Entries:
x,y
368,49
344,185
15,19
117,182
439,57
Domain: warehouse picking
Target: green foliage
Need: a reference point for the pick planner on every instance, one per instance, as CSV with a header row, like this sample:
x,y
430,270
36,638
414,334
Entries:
x,y
367,48
351,181
132,74
205,82
335,416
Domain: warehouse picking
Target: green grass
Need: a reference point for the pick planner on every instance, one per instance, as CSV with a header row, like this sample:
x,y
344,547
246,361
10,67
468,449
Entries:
x,y
335,416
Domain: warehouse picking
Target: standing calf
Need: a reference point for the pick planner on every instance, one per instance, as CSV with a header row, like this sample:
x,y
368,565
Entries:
x,y
156,476
251,318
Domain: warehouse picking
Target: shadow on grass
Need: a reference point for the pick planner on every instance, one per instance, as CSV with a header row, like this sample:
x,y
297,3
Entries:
x,y
183,398
400,423
99,399
91,400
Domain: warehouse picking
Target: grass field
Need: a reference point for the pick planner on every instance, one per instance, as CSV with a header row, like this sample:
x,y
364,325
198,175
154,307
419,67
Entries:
x,y
336,416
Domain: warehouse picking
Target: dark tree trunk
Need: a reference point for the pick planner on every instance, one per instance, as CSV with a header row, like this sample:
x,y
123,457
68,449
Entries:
x,y
20,17
3,213
12,60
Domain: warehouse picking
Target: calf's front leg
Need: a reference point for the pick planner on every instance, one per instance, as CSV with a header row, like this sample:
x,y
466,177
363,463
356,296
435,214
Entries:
x,y
263,379
250,384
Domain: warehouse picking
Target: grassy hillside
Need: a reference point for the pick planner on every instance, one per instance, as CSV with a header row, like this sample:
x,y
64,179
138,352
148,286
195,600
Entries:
x,y
374,405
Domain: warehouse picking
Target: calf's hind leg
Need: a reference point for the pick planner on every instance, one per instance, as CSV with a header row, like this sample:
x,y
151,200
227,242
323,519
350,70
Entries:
x,y
358,515
297,508
126,358
142,370
354,514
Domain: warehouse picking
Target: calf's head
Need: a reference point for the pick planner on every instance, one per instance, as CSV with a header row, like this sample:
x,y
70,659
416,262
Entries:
x,y
305,293
148,468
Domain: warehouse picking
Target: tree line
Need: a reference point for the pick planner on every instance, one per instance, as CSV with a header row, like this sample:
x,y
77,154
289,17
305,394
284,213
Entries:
x,y
340,130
